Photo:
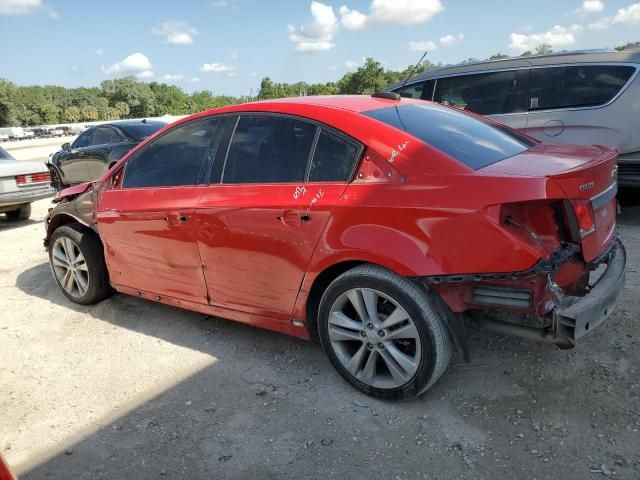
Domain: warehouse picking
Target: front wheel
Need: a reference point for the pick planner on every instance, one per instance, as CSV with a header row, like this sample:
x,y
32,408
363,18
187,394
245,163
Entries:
x,y
77,262
382,334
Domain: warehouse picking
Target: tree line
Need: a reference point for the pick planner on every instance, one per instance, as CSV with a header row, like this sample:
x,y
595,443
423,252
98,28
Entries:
x,y
129,98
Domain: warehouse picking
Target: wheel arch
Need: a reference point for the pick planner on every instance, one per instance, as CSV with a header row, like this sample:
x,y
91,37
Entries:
x,y
61,219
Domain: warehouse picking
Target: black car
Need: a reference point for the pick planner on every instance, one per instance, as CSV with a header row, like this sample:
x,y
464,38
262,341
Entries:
x,y
97,149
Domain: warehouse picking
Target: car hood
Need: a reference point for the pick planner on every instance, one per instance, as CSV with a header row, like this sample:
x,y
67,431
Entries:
x,y
11,168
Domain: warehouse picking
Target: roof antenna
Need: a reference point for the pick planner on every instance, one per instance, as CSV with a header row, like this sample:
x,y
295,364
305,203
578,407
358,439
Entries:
x,y
395,95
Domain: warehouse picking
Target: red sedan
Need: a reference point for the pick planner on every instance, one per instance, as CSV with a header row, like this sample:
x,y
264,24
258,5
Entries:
x,y
376,224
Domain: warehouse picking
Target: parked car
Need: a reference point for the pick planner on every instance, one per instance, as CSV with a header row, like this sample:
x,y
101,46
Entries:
x,y
96,150
21,182
13,133
370,222
577,98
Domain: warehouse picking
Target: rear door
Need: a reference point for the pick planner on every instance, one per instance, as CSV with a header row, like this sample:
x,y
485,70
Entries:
x,y
566,103
500,95
96,157
147,221
261,218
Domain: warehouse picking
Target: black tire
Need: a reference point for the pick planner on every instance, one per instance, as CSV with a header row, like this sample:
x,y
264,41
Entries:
x,y
56,180
89,244
432,332
21,213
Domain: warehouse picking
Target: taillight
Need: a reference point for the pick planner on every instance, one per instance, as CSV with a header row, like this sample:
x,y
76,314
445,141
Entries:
x,y
31,178
584,216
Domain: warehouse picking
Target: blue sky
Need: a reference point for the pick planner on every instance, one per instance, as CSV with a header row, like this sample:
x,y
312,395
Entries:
x,y
228,46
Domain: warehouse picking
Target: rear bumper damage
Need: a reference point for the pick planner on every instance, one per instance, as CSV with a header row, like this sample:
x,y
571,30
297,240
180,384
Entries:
x,y
577,316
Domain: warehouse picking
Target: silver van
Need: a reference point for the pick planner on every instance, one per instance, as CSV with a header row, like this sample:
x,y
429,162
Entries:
x,y
576,97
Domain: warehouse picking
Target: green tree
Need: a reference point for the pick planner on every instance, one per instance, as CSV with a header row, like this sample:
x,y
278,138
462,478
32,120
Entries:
x,y
50,113
123,109
170,99
544,49
499,56
72,114
7,103
368,78
89,113
137,95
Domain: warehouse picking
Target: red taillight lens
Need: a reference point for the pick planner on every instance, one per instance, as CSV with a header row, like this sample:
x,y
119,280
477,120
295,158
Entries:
x,y
584,216
30,178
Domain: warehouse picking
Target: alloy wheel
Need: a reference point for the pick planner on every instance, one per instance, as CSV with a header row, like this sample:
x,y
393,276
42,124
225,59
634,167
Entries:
x,y
70,267
374,338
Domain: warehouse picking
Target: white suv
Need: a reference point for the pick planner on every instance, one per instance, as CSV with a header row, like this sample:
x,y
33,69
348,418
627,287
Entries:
x,y
578,97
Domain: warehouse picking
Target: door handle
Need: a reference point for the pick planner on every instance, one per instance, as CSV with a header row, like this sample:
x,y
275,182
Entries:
x,y
292,218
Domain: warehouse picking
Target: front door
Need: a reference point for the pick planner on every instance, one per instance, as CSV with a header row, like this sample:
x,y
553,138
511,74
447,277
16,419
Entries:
x,y
147,220
259,227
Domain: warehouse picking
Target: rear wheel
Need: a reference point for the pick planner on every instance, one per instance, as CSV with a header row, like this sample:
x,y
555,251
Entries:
x,y
382,334
77,262
21,213
56,180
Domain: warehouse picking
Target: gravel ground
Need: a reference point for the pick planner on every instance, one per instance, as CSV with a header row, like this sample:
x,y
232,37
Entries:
x,y
132,389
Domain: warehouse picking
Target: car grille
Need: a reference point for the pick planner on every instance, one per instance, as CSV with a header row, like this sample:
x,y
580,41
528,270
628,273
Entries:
x,y
501,296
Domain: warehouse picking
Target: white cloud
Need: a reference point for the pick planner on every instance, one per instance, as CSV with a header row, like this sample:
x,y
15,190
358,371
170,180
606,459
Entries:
x,y
20,7
558,36
352,19
217,67
351,65
590,6
628,16
175,32
316,36
99,52
390,12
135,64
194,79
625,16
172,77
422,46
145,75
451,40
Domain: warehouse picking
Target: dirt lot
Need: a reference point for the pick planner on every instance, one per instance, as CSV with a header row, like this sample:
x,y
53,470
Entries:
x,y
130,389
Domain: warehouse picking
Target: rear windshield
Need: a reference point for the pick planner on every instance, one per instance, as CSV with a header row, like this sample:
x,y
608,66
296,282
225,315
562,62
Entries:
x,y
472,141
4,155
142,130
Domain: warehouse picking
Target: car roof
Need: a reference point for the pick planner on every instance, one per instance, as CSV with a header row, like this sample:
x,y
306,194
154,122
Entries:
x,y
131,123
577,57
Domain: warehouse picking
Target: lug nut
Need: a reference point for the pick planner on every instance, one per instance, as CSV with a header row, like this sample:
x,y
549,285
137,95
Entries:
x,y
381,333
370,346
370,326
380,345
363,333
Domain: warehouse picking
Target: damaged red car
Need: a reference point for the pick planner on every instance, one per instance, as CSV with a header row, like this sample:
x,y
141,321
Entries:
x,y
374,223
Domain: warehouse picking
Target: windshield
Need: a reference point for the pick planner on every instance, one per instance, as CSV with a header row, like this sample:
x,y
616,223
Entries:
x,y
470,140
4,155
142,130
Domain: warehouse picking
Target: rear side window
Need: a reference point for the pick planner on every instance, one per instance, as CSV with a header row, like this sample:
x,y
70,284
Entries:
x,y
578,86
176,158
412,91
485,93
269,149
333,159
474,142
103,136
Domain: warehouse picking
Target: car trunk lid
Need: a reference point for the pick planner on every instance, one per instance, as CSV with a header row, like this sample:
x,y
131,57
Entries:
x,y
587,177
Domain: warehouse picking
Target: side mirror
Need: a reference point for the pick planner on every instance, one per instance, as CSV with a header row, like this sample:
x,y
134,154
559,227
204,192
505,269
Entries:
x,y
66,146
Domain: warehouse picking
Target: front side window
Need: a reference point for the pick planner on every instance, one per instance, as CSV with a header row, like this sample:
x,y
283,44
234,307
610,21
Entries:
x,y
472,141
269,149
484,93
411,91
333,158
577,86
174,159
85,139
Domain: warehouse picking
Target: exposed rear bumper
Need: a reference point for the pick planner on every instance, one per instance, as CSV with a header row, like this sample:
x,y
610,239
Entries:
x,y
25,196
578,316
